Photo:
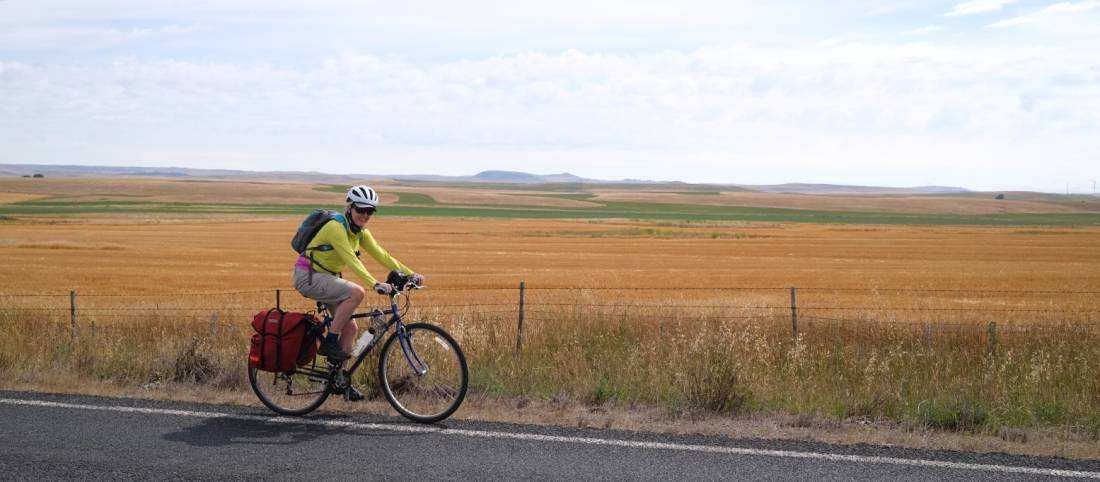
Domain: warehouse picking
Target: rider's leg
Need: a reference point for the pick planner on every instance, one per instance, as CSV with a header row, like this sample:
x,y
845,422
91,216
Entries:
x,y
347,336
342,316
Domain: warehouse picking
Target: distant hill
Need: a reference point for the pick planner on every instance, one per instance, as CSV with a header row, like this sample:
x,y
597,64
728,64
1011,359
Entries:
x,y
803,188
501,177
181,173
506,177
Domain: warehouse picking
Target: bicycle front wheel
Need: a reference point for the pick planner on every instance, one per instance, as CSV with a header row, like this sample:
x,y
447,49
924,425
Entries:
x,y
296,392
423,374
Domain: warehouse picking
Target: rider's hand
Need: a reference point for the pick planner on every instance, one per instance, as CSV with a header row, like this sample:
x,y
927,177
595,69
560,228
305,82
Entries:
x,y
416,279
383,288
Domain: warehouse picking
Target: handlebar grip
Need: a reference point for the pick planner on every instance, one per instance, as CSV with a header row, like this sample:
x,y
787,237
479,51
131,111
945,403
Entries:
x,y
379,289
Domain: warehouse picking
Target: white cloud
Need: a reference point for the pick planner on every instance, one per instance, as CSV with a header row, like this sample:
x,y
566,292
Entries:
x,y
924,30
423,29
977,6
1060,16
85,37
722,90
842,111
1015,21
1069,7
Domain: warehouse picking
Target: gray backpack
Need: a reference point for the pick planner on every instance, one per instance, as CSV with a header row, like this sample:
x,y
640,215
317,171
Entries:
x,y
308,230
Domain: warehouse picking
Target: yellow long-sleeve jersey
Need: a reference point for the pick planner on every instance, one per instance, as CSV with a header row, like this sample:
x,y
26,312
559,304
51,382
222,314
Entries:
x,y
342,254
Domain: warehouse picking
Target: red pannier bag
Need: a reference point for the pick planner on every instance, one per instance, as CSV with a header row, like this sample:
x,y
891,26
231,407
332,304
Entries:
x,y
283,340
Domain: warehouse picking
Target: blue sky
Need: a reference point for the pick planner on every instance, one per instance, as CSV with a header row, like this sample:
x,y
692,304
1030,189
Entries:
x,y
984,94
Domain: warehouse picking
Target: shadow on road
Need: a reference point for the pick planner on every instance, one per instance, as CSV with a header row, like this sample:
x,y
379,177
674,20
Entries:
x,y
216,432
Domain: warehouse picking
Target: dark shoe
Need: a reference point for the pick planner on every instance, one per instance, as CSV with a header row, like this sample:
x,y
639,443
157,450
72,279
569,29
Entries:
x,y
331,349
354,395
350,393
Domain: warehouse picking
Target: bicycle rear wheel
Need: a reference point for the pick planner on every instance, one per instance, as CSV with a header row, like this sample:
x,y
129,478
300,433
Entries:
x,y
295,393
425,377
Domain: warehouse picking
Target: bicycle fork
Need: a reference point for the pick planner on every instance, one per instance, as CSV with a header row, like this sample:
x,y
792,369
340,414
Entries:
x,y
415,363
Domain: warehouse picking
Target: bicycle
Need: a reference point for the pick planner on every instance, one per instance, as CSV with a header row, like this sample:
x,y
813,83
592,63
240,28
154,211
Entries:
x,y
421,369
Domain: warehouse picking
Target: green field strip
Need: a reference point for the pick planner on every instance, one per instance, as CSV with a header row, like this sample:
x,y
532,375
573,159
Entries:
x,y
340,188
610,210
415,198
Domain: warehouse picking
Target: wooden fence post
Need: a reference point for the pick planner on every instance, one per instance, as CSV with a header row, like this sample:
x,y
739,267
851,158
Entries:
x,y
992,334
519,327
72,312
213,323
794,315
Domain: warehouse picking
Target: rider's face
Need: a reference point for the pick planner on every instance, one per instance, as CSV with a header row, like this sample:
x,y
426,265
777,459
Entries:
x,y
360,218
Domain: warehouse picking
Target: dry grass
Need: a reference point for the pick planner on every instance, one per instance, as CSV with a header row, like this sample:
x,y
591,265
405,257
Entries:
x,y
679,358
741,378
11,197
58,244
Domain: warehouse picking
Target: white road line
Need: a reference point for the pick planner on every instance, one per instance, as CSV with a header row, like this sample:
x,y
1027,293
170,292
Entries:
x,y
574,440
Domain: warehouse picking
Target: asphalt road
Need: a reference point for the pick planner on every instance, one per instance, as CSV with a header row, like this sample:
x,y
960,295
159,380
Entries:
x,y
62,437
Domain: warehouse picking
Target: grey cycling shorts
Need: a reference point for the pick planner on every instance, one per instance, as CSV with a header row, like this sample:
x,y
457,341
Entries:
x,y
326,288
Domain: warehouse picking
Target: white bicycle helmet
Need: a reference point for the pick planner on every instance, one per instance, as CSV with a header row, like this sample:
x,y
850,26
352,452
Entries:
x,y
363,196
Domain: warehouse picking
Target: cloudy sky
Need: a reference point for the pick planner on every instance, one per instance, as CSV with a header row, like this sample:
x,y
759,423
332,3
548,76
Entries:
x,y
984,94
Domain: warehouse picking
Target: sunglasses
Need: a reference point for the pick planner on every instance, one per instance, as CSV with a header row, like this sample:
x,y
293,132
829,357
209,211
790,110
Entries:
x,y
363,210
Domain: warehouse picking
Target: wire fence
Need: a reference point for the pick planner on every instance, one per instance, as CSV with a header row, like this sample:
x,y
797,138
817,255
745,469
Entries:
x,y
820,312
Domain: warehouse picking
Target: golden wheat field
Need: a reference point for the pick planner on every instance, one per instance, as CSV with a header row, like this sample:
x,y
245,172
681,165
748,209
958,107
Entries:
x,y
749,265
158,256
957,328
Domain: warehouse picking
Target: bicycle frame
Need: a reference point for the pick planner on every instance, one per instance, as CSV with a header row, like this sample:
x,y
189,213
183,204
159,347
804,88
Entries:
x,y
418,392
395,319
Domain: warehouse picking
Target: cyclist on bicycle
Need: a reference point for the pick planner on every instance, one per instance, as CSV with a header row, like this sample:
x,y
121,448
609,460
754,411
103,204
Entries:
x,y
335,248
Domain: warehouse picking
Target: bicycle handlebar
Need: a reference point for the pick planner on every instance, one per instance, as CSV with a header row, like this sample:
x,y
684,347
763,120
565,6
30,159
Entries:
x,y
400,282
398,290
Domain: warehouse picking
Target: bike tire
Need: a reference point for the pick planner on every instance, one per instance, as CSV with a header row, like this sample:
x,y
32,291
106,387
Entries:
x,y
434,395
293,393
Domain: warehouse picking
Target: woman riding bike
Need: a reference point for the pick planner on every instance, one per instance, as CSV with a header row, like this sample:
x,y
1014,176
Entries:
x,y
317,273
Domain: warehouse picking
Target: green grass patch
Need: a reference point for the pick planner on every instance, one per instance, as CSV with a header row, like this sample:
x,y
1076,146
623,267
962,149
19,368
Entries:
x,y
415,198
610,210
953,414
340,188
